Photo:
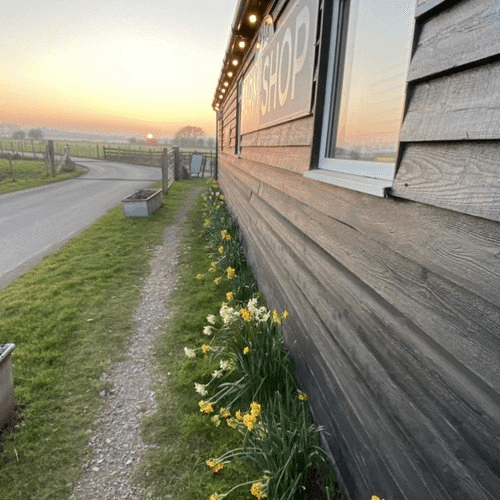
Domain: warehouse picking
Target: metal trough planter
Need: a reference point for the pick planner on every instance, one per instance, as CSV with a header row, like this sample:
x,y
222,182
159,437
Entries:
x,y
142,203
7,401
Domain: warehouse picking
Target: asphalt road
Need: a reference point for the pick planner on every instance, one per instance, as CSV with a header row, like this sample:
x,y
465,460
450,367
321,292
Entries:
x,y
34,222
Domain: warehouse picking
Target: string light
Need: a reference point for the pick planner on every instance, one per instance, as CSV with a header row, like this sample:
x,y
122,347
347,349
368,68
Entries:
x,y
252,18
242,44
226,84
229,74
235,62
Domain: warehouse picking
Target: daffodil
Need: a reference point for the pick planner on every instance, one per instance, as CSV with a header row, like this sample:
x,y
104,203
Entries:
x,y
231,422
216,420
229,296
218,281
303,396
205,407
211,319
205,348
249,421
245,314
255,409
190,353
214,465
208,330
225,412
200,389
230,272
257,490
199,276
221,249
246,350
225,235
276,317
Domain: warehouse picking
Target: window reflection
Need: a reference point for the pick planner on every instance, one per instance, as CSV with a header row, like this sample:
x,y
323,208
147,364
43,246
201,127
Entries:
x,y
373,83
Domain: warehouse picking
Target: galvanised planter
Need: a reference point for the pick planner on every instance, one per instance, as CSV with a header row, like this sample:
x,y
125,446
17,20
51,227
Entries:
x,y
142,203
7,401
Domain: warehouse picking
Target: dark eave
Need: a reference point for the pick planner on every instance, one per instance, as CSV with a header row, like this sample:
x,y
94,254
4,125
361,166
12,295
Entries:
x,y
246,22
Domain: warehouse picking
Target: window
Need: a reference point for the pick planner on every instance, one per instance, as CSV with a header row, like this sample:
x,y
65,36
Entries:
x,y
365,93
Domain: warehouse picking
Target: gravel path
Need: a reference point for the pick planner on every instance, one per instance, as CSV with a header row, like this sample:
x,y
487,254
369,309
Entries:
x,y
116,445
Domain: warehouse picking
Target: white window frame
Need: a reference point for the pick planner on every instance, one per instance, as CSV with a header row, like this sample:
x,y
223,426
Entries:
x,y
374,178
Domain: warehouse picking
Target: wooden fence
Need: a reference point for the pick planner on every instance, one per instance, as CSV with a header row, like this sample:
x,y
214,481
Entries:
x,y
182,160
175,163
152,157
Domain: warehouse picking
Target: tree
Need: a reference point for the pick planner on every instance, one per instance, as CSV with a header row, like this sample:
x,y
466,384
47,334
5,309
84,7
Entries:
x,y
18,134
36,134
187,136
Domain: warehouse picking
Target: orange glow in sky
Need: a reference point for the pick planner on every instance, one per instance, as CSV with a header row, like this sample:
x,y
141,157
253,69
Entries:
x,y
119,65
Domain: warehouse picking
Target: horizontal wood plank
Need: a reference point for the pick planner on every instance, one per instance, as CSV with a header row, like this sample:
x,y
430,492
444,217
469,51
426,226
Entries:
x,y
294,158
463,34
294,133
464,177
462,106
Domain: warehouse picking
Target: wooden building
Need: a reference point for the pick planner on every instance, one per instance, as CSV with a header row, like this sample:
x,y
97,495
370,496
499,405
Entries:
x,y
359,150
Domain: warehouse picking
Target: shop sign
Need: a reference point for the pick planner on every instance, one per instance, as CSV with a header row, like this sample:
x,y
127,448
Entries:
x,y
278,86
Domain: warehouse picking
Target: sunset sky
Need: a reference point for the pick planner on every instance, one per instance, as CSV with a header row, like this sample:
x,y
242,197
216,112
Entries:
x,y
112,65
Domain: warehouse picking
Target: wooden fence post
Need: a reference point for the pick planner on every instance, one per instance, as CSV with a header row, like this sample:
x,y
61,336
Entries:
x,y
177,163
50,157
164,170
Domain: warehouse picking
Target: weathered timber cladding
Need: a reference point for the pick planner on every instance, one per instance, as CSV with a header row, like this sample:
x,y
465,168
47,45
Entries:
x,y
453,99
462,176
379,331
395,302
386,333
462,106
463,34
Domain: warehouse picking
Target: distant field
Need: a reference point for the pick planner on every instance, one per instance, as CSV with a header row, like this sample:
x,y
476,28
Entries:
x,y
76,148
17,174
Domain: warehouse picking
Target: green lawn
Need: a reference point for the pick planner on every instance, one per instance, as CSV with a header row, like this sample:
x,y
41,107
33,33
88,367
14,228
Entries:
x,y
70,317
25,173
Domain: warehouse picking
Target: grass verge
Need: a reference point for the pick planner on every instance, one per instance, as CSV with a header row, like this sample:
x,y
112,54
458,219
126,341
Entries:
x,y
70,317
26,173
185,438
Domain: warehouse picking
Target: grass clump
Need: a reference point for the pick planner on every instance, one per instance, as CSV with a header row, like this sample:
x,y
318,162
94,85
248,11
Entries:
x,y
17,174
251,432
70,317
